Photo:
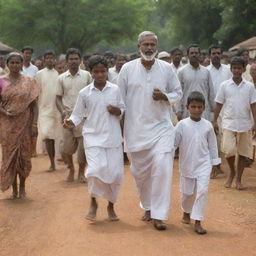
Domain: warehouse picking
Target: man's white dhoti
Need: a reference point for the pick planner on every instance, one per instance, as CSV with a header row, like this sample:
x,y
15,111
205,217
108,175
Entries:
x,y
194,195
152,170
104,172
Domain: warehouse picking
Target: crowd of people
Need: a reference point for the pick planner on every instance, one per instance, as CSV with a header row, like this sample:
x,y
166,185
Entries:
x,y
152,106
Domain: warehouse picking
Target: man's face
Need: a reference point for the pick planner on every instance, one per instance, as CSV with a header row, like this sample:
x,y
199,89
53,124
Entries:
x,y
215,56
120,61
237,70
73,61
49,61
193,55
148,48
27,55
177,56
245,56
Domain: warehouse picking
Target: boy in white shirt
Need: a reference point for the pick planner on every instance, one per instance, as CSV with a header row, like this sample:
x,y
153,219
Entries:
x,y
198,149
103,105
238,98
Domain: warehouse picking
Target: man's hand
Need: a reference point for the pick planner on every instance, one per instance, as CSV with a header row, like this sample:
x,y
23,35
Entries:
x,y
114,110
158,95
68,124
216,127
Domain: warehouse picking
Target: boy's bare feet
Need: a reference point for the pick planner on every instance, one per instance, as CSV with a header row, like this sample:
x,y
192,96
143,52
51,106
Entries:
x,y
159,225
146,216
199,229
239,186
229,181
70,177
186,218
111,212
91,215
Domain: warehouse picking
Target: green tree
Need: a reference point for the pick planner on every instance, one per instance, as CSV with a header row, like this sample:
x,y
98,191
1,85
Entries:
x,y
68,23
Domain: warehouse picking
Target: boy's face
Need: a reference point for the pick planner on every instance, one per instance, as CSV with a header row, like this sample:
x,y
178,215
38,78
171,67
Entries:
x,y
195,108
237,70
99,73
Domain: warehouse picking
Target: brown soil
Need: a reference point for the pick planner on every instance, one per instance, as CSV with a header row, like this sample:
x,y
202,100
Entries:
x,y
50,222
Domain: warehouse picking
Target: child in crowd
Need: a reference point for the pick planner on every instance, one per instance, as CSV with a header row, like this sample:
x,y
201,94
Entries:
x,y
102,103
198,151
238,98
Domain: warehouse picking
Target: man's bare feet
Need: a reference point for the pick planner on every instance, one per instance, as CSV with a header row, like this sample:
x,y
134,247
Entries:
x,y
91,215
216,170
81,178
146,216
239,186
22,193
51,168
186,218
229,181
159,225
199,229
111,212
70,177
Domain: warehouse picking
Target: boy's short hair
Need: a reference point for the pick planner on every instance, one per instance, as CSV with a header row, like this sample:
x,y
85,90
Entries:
x,y
195,96
237,60
72,51
28,48
49,52
97,59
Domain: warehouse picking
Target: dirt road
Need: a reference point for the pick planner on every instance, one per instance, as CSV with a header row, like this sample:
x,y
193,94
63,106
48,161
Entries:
x,y
50,222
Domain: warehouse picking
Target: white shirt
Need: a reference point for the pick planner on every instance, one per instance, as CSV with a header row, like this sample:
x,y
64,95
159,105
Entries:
x,y
147,120
101,129
219,75
174,67
112,75
198,149
196,79
236,100
69,86
31,70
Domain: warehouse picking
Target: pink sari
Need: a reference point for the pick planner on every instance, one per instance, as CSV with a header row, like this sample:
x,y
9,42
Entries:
x,y
15,130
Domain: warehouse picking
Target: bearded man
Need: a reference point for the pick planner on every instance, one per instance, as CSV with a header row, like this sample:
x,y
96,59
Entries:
x,y
149,88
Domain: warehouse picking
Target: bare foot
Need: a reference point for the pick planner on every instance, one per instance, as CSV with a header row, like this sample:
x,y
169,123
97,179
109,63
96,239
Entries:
x,y
91,215
22,194
215,172
51,168
13,197
146,216
111,213
186,218
159,225
70,177
81,178
239,186
229,181
199,229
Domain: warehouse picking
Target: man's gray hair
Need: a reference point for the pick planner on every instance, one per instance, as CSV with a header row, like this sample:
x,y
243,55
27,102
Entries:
x,y
144,34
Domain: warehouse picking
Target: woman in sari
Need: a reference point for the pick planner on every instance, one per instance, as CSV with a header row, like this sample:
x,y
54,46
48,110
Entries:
x,y
18,124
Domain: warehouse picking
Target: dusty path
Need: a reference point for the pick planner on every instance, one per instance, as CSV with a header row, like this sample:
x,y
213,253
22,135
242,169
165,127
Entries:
x,y
51,221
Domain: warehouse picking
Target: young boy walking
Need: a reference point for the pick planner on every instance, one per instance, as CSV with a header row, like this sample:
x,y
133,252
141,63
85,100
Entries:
x,y
238,98
198,149
102,103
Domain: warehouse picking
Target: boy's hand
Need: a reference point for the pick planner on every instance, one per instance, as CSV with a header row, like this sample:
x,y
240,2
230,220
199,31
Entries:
x,y
158,95
68,124
114,110
216,127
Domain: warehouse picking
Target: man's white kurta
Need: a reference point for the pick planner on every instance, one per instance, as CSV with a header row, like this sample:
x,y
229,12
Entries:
x,y
148,131
196,79
31,70
49,117
147,120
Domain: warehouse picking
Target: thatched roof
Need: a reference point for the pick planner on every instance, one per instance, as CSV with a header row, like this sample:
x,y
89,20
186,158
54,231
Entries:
x,y
5,48
250,44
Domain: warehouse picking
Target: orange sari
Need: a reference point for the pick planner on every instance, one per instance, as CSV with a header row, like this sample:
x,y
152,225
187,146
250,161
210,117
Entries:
x,y
15,130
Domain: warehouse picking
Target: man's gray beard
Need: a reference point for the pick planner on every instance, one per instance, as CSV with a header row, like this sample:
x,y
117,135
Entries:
x,y
148,58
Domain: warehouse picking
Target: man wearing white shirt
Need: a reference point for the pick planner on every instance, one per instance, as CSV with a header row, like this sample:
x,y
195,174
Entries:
x,y
28,68
176,55
238,97
149,88
195,77
113,72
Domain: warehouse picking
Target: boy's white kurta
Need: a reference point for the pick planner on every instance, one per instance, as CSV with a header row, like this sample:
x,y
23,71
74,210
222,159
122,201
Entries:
x,y
198,151
102,139
196,79
148,131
